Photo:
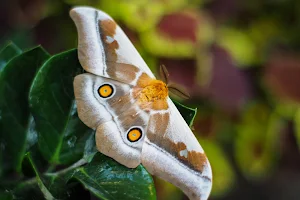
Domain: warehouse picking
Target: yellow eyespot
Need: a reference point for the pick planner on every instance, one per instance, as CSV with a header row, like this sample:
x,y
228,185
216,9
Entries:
x,y
105,90
134,134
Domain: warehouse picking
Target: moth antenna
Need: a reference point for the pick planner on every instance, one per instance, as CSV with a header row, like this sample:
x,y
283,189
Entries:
x,y
164,74
178,91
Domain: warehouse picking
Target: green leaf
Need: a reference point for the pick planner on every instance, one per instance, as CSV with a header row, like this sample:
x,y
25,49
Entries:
x,y
62,135
187,113
33,188
258,140
107,179
7,53
28,191
90,148
6,195
15,118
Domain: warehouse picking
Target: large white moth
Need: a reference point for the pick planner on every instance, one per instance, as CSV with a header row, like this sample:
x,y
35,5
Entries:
x,y
134,118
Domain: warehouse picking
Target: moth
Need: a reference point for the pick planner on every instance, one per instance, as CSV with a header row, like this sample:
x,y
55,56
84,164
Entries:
x,y
135,120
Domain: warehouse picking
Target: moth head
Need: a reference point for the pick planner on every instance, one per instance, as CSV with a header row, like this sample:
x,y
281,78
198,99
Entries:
x,y
174,88
155,90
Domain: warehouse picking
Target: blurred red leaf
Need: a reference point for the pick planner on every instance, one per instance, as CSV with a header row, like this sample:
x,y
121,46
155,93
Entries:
x,y
179,25
282,75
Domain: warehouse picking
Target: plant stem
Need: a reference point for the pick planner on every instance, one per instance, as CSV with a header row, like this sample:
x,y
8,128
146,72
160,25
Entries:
x,y
63,171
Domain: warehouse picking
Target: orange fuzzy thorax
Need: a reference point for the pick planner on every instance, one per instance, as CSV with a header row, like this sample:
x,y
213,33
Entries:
x,y
153,91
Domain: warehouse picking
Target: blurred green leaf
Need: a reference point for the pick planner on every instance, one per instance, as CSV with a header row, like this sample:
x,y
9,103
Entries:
x,y
167,191
7,53
62,135
258,140
23,38
6,195
15,118
28,190
239,44
297,126
107,179
223,174
286,108
162,46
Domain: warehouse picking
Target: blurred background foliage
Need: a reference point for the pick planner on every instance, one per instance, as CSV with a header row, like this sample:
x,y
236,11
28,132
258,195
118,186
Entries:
x,y
238,59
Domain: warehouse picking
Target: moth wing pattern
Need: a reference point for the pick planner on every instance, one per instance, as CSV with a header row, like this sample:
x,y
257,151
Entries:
x,y
111,117
167,147
103,47
172,152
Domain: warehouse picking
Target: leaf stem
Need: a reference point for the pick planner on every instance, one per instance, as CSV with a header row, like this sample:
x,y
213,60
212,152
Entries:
x,y
63,171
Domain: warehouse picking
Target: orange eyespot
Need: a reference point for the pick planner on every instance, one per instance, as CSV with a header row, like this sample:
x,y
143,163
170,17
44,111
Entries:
x,y
105,90
134,134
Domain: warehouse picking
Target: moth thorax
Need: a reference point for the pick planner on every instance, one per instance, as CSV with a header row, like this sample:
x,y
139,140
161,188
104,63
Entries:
x,y
155,90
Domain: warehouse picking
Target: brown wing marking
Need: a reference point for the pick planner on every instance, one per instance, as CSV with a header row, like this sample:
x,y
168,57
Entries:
x,y
160,105
131,118
122,72
120,104
108,30
157,128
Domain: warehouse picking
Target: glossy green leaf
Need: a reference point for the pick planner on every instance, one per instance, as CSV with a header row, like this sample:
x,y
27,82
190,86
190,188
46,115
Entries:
x,y
187,113
7,53
15,119
90,148
62,135
107,179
